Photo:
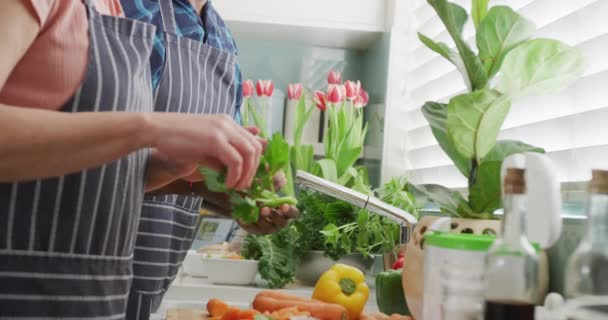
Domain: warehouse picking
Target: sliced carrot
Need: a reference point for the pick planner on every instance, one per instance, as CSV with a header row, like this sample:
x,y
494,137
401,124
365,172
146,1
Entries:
x,y
217,308
281,295
232,314
247,314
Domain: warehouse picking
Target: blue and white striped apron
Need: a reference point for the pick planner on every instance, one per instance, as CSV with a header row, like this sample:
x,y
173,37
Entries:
x,y
197,78
66,243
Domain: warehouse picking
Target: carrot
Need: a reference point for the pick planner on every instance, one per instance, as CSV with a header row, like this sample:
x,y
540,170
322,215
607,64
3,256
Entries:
x,y
217,307
247,314
232,314
281,295
317,309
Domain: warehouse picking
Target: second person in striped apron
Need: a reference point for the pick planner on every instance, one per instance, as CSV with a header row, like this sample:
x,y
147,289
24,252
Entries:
x,y
194,70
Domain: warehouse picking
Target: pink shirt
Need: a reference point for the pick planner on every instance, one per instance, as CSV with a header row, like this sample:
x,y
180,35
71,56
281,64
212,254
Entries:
x,y
54,66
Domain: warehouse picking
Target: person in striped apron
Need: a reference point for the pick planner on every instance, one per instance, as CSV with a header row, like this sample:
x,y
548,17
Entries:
x,y
196,71
73,176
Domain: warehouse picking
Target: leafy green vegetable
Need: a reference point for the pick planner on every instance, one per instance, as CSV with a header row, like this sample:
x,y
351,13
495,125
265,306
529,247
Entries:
x,y
474,120
540,66
479,10
502,30
454,17
332,226
246,203
395,193
275,254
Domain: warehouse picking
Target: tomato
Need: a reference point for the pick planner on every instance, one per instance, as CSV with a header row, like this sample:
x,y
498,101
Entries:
x,y
398,264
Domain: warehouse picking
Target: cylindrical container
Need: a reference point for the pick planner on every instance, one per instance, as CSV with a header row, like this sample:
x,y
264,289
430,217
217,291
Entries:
x,y
310,134
272,112
462,288
458,249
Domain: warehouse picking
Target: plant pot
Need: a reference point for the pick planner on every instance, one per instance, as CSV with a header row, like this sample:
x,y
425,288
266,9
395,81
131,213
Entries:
x,y
314,263
413,271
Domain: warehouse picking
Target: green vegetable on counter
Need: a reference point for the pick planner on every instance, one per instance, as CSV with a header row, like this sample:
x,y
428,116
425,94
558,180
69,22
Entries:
x,y
275,254
389,293
246,204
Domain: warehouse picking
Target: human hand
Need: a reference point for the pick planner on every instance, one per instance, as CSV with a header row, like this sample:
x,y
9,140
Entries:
x,y
183,142
271,220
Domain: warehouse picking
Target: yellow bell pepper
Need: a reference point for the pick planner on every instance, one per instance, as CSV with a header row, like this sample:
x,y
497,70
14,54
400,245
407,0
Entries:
x,y
343,285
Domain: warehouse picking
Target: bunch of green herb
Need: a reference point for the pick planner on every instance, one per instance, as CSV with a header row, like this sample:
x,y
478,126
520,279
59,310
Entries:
x,y
246,204
332,226
275,254
467,126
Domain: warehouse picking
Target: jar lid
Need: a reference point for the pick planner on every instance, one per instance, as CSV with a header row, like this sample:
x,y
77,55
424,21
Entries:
x,y
458,241
462,241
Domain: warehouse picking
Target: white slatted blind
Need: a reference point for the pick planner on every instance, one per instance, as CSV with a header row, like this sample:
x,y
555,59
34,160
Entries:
x,y
571,125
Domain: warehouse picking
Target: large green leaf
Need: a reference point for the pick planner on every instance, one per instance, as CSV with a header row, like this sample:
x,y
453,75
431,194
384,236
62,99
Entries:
x,y
479,9
474,120
502,30
449,201
540,66
326,169
445,51
301,118
454,17
277,152
303,157
436,115
505,148
485,193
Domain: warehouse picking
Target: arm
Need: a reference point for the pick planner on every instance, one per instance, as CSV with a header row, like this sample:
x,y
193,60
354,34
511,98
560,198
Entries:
x,y
42,143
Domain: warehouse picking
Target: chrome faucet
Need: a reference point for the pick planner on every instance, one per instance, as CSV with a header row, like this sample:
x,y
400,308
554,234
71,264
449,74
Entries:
x,y
361,200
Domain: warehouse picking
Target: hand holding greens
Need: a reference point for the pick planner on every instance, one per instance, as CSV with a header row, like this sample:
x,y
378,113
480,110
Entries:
x,y
246,204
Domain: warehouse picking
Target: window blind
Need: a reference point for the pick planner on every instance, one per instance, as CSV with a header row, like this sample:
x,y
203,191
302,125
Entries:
x,y
572,125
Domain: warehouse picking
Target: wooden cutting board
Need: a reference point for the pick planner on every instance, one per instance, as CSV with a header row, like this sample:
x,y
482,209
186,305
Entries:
x,y
187,314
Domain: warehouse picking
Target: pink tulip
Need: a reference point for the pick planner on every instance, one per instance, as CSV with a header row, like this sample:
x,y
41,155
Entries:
x,y
362,99
321,100
352,89
264,88
335,93
247,89
294,91
334,77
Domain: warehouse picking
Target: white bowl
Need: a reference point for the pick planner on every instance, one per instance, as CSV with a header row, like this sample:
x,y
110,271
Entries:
x,y
230,271
194,265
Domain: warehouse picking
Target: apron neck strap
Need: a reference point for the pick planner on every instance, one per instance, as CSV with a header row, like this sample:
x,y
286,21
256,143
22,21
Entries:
x,y
167,14
91,11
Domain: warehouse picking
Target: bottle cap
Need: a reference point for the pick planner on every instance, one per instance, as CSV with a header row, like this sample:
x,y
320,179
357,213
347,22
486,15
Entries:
x,y
515,182
599,182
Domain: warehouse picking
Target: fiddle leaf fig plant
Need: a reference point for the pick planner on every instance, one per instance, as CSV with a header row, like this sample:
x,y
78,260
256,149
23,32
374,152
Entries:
x,y
467,126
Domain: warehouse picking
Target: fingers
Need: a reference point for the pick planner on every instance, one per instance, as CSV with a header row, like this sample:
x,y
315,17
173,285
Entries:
x,y
233,160
250,150
279,180
290,212
255,132
278,219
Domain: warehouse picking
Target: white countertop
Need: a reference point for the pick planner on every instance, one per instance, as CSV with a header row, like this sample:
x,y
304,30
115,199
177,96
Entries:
x,y
190,292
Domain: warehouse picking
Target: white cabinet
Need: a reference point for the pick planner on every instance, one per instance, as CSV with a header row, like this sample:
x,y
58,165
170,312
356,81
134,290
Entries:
x,y
352,24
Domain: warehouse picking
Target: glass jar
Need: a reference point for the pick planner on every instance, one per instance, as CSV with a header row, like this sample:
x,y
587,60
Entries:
x,y
463,288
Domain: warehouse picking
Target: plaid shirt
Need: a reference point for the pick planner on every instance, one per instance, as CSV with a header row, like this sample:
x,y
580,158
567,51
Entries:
x,y
211,29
